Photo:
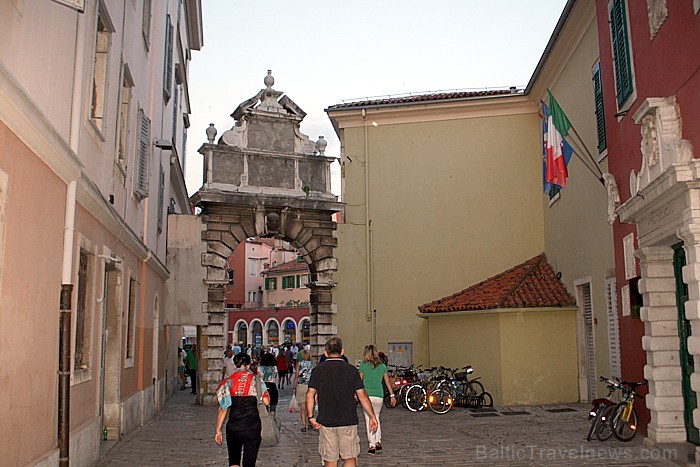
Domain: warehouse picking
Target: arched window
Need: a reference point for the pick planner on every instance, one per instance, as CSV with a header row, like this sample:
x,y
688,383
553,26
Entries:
x,y
273,333
290,331
305,332
242,334
257,334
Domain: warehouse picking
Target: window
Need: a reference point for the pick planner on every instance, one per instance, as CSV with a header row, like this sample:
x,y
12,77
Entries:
x,y
141,182
252,266
230,276
83,315
131,320
599,109
146,23
288,282
99,71
176,113
622,59
168,66
271,283
123,138
305,279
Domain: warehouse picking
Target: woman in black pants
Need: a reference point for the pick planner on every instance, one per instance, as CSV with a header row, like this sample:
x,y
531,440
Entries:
x,y
243,427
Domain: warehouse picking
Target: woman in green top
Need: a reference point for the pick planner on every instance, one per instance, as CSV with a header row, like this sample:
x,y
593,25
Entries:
x,y
372,372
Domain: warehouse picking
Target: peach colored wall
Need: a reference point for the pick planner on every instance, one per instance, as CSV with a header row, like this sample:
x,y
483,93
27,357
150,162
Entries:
x,y
29,305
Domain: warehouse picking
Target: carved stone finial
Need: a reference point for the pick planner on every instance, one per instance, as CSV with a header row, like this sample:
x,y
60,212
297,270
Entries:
x,y
321,145
211,133
269,80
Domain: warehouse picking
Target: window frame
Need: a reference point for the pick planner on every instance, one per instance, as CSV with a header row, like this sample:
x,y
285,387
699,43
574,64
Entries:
x,y
97,104
132,308
146,23
124,120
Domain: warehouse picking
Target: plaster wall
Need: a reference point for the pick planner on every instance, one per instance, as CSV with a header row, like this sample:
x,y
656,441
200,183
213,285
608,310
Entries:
x,y
29,308
451,202
578,237
512,353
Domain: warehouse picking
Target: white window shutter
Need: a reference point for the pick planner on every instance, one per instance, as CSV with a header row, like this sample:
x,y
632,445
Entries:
x,y
613,327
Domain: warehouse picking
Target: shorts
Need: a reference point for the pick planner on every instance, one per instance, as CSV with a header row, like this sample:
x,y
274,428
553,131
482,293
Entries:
x,y
338,442
302,389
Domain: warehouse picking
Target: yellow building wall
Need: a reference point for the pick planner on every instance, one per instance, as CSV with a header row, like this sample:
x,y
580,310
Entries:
x,y
451,202
578,238
522,358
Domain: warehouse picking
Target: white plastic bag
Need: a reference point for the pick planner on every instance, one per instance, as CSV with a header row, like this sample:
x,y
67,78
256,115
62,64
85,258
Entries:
x,y
293,404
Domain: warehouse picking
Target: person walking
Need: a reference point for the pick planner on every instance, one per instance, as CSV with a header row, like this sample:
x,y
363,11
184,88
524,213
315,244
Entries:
x,y
243,429
336,384
268,373
289,354
181,355
192,367
229,366
301,384
282,369
373,372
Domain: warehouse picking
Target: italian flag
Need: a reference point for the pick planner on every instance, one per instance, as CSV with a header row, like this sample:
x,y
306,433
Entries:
x,y
557,128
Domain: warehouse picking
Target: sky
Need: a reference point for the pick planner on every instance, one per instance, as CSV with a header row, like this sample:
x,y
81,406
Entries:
x,y
322,52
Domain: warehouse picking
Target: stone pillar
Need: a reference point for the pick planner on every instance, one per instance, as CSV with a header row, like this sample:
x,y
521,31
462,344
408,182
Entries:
x,y
691,276
660,341
222,237
322,311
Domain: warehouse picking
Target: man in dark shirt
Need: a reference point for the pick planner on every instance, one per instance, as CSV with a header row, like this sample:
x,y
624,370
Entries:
x,y
336,383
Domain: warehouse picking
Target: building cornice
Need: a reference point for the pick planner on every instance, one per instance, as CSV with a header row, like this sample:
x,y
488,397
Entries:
x,y
24,118
420,112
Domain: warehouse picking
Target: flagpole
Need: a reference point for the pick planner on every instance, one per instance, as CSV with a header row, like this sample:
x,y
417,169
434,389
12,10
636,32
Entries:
x,y
587,165
595,162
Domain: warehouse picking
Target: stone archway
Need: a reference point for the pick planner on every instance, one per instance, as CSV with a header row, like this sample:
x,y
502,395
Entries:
x,y
265,178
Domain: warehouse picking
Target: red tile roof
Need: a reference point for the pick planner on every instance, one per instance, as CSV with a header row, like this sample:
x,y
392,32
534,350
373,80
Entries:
x,y
531,284
428,97
289,266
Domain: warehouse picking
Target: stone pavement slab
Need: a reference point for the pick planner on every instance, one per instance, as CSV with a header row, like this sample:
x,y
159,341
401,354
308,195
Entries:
x,y
183,434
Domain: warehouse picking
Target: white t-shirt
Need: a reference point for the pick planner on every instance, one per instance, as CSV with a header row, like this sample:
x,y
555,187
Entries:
x,y
230,367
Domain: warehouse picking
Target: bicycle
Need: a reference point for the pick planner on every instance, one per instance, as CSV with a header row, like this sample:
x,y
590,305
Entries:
x,y
466,392
622,418
595,415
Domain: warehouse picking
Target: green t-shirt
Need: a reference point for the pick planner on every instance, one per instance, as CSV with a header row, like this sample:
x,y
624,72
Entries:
x,y
372,378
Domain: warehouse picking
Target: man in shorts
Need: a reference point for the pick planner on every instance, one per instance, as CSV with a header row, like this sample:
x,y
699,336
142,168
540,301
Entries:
x,y
336,383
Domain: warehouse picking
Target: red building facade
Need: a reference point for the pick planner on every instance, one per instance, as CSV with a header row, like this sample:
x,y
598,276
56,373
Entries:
x,y
650,86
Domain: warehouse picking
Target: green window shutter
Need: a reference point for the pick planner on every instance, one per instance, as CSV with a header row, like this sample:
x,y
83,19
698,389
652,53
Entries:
x,y
621,51
298,281
267,283
161,194
284,282
599,109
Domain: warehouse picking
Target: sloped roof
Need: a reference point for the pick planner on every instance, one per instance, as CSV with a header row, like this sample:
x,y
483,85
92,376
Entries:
x,y
428,97
289,266
532,284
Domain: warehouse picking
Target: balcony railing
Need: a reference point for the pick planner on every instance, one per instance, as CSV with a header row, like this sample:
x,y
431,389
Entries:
x,y
246,306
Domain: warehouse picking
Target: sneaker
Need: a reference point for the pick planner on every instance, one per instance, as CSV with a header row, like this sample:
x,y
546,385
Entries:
x,y
372,451
378,448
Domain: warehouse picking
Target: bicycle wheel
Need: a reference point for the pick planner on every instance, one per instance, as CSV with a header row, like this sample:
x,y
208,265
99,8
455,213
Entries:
x,y
415,398
484,400
604,430
477,387
624,422
440,401
595,421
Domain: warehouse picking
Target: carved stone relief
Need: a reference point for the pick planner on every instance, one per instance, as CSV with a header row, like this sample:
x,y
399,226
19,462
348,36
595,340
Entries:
x,y
657,11
613,197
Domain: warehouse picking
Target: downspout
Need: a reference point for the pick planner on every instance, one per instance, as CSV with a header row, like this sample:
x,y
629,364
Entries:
x,y
64,329
368,238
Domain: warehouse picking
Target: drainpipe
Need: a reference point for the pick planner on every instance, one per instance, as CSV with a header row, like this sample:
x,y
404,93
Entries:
x,y
368,237
64,329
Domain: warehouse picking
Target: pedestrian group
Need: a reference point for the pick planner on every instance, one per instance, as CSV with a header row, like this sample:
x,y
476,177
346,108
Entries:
x,y
326,393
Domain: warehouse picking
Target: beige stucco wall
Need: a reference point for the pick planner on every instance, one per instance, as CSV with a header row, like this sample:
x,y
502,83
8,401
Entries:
x,y
512,352
28,308
452,201
578,238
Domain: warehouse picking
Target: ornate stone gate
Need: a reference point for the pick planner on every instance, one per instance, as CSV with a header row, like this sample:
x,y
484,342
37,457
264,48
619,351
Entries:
x,y
264,178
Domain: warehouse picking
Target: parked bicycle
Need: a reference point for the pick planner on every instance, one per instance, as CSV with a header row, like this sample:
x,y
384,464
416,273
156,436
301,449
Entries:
x,y
466,392
602,430
621,418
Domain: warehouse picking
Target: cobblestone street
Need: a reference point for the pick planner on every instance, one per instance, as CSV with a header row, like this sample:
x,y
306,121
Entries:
x,y
543,435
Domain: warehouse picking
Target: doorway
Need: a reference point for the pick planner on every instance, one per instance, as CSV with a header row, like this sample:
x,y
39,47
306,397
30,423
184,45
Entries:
x,y
111,352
